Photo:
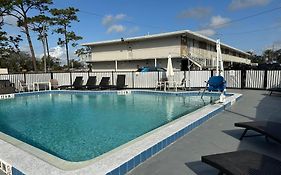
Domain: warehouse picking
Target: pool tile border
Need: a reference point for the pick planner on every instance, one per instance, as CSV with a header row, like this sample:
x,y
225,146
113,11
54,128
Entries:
x,y
152,150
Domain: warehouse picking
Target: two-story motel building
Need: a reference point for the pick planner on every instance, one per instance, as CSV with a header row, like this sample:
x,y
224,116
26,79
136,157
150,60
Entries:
x,y
128,54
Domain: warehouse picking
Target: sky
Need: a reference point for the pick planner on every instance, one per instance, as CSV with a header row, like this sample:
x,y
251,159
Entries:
x,y
250,25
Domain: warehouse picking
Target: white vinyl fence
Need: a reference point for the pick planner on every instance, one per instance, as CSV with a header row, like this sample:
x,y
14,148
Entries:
x,y
273,78
235,78
63,78
254,79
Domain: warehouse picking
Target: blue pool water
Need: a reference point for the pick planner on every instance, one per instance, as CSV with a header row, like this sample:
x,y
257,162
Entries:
x,y
78,127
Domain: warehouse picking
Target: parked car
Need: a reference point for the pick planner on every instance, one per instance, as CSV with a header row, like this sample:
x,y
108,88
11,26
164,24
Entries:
x,y
151,69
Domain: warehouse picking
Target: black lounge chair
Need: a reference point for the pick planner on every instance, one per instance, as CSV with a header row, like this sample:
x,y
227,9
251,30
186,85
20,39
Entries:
x,y
120,82
268,129
6,87
77,84
91,83
271,90
243,163
104,84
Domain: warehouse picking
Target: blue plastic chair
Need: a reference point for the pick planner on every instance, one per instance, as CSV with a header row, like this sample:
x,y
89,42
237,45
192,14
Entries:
x,y
216,83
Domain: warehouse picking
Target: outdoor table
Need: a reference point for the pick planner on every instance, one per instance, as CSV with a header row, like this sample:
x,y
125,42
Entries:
x,y
36,85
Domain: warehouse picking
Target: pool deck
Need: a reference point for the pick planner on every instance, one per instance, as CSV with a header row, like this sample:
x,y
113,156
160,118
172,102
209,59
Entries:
x,y
217,135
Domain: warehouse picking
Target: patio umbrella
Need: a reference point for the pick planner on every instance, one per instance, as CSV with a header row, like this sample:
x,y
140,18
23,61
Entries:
x,y
170,71
219,66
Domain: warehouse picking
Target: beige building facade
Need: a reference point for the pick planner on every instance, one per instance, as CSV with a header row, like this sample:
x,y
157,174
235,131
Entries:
x,y
128,54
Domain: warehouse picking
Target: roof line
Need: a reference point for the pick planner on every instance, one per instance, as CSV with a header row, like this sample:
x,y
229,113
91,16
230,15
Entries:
x,y
180,32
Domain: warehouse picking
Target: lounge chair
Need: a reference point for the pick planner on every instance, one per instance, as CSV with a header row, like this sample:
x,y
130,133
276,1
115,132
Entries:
x,y
104,84
271,90
23,86
54,84
91,83
243,163
120,82
6,87
181,85
268,129
162,83
77,84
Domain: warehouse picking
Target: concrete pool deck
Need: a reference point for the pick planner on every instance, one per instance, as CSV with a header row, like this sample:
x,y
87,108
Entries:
x,y
217,135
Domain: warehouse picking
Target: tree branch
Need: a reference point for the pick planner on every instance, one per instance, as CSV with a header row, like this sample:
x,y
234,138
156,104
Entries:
x,y
28,8
11,14
18,12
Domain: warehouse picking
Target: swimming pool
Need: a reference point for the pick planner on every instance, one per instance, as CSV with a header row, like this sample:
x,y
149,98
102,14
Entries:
x,y
27,159
81,126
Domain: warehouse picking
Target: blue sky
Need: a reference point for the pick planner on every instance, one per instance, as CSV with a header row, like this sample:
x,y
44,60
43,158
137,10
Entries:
x,y
112,19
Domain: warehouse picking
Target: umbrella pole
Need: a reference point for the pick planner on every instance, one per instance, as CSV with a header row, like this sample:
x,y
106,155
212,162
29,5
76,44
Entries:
x,y
184,77
189,75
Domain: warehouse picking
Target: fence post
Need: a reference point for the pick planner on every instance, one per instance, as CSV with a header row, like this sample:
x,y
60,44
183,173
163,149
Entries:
x,y
24,77
158,76
265,79
243,79
133,80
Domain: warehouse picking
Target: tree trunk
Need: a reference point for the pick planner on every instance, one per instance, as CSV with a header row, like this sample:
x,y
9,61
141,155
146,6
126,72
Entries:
x,y
48,51
47,45
66,48
44,59
30,46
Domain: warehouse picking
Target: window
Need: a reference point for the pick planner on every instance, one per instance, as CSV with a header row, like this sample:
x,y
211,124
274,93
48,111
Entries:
x,y
183,41
226,51
214,48
202,45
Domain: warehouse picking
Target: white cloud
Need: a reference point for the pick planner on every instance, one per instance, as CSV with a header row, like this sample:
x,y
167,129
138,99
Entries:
x,y
109,20
197,12
120,16
10,20
25,48
112,24
57,52
218,22
118,28
133,30
242,4
207,32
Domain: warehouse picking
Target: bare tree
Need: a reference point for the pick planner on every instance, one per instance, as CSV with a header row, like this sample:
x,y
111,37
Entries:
x,y
20,10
